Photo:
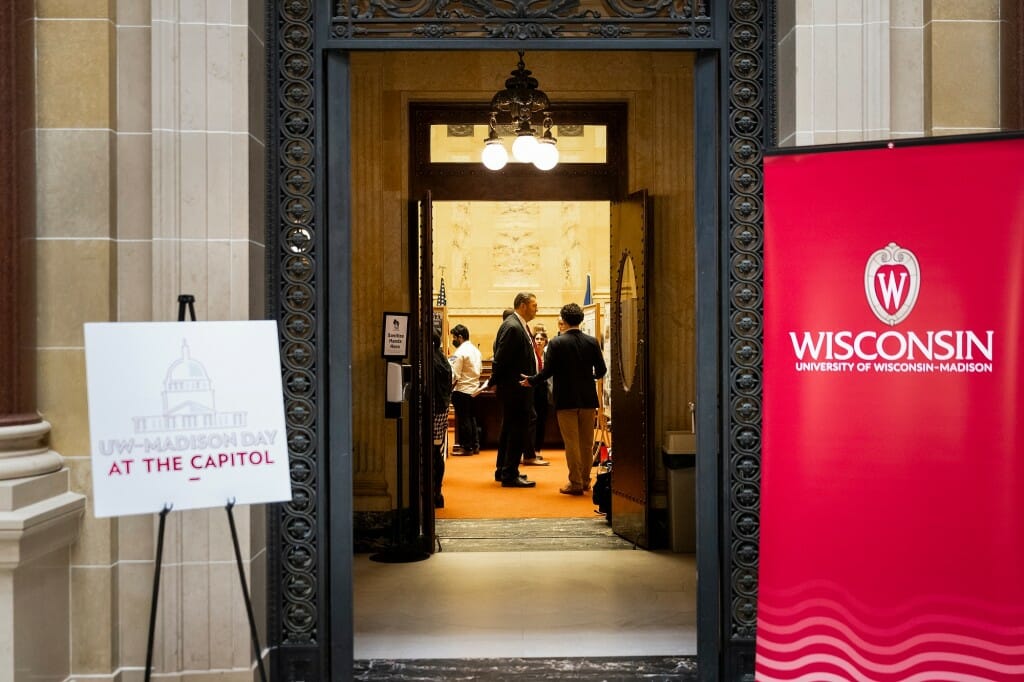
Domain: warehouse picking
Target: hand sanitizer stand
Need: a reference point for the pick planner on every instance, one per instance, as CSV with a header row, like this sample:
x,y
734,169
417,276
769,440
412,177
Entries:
x,y
399,552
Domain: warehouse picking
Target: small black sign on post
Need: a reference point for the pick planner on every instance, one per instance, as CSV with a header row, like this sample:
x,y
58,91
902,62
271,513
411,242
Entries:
x,y
394,347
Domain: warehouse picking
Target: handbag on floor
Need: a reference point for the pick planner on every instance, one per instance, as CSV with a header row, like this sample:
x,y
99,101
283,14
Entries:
x,y
602,491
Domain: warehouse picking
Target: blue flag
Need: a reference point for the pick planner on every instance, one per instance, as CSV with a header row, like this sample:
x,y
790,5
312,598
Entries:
x,y
587,299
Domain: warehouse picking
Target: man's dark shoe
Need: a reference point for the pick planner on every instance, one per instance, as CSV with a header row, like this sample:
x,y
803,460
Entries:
x,y
520,482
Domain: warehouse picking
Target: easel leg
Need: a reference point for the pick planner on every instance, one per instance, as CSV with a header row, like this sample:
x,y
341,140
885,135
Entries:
x,y
245,593
156,590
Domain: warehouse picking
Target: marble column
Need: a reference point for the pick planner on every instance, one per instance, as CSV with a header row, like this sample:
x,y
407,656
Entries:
x,y
23,435
39,517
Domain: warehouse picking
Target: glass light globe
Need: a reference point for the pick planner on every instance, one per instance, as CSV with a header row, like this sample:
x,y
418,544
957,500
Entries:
x,y
494,156
546,157
524,147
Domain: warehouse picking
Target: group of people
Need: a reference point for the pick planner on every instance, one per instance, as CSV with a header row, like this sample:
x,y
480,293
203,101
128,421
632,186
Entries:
x,y
524,364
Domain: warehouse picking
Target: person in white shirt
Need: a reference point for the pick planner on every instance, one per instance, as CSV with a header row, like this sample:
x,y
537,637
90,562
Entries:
x,y
466,367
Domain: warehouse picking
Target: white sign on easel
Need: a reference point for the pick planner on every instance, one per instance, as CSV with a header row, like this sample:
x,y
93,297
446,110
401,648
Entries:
x,y
188,414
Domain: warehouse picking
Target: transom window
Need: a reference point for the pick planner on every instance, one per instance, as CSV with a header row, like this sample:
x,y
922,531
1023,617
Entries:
x,y
447,141
464,142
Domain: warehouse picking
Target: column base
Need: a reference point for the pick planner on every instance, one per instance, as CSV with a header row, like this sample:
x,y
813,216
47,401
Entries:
x,y
25,451
39,520
37,516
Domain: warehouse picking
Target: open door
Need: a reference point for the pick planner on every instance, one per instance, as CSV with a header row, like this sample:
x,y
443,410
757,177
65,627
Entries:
x,y
630,248
421,287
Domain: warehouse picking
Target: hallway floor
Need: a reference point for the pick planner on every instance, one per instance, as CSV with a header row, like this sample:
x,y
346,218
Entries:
x,y
527,604
527,599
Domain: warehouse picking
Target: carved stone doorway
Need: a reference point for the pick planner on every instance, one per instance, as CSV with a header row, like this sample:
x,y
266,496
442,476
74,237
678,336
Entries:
x,y
309,540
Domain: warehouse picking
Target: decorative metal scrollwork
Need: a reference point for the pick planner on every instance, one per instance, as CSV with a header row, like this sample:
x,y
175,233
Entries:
x,y
362,20
297,541
747,64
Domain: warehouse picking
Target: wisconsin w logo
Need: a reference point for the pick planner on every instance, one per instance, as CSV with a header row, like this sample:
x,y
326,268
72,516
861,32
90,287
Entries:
x,y
892,280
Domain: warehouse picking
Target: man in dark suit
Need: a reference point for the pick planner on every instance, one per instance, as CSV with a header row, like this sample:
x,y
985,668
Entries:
x,y
575,361
514,356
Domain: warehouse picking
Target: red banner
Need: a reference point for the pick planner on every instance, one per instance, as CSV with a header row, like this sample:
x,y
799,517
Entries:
x,y
892,502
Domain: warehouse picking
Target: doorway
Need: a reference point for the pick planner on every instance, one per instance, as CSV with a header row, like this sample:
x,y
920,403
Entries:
x,y
484,252
483,236
657,124
658,118
311,163
544,232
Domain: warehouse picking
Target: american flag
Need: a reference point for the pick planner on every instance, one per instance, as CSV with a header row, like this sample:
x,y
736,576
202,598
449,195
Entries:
x,y
442,298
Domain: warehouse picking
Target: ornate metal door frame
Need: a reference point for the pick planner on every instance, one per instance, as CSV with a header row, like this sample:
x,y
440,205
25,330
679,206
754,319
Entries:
x,y
309,540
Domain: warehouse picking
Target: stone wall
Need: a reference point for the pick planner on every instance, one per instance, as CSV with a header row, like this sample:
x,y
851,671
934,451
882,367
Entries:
x,y
150,127
559,242
884,69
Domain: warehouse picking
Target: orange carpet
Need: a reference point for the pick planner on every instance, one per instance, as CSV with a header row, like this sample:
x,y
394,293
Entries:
x,y
470,491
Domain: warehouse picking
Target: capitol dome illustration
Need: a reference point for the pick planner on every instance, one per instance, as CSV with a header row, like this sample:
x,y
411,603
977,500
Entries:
x,y
187,386
188,400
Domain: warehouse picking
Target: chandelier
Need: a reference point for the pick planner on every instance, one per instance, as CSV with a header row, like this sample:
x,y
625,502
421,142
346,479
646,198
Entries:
x,y
521,100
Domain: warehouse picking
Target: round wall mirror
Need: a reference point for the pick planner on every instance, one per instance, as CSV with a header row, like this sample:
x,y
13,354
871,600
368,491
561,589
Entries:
x,y
628,320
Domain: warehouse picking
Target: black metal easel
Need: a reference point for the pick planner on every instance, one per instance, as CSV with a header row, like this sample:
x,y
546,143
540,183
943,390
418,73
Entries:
x,y
245,591
188,301
156,589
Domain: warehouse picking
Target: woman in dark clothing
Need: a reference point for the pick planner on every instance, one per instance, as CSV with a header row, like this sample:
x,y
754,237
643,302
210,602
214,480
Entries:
x,y
541,392
442,372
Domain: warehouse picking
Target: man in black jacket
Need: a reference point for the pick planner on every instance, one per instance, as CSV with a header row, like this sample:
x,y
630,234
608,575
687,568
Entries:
x,y
514,356
575,362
